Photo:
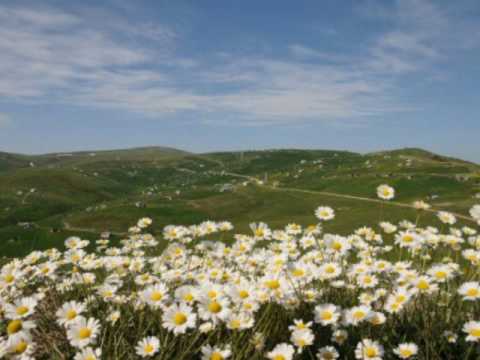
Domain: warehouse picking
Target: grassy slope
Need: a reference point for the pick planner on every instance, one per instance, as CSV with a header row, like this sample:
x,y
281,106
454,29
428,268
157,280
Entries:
x,y
111,182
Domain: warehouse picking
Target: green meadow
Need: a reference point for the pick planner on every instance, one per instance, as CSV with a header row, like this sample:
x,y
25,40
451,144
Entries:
x,y
46,198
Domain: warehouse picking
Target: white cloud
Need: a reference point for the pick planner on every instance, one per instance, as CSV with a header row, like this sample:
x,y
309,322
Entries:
x,y
49,55
422,34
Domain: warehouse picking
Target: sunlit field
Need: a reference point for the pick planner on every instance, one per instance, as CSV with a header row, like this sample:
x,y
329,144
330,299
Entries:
x,y
396,290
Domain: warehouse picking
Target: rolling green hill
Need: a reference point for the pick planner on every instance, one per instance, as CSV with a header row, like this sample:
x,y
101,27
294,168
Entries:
x,y
45,198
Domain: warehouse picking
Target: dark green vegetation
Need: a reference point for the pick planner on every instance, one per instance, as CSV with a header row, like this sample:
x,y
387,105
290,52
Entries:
x,y
44,199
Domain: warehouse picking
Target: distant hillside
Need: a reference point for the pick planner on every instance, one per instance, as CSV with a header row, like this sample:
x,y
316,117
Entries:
x,y
45,198
421,153
9,161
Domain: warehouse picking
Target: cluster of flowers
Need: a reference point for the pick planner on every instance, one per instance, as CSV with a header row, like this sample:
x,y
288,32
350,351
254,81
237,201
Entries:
x,y
277,294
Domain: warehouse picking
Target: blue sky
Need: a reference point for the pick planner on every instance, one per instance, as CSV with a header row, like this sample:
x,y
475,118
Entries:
x,y
222,75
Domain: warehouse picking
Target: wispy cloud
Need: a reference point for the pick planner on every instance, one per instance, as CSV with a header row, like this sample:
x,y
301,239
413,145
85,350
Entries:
x,y
50,55
422,33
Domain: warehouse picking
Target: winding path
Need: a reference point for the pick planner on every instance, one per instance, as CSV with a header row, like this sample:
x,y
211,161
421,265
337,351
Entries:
x,y
67,226
343,196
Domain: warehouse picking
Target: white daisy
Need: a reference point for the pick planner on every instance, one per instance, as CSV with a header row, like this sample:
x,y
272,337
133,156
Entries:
x,y
21,346
324,213
148,346
88,354
385,192
179,318
446,217
326,314
302,338
69,312
21,308
216,310
155,295
369,350
357,314
327,353
215,352
406,350
470,290
475,212
472,328
282,351
83,332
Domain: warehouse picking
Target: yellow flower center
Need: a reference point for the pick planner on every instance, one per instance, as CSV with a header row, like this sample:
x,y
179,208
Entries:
x,y
423,285
408,239
90,357
406,352
358,315
475,332
473,292
327,315
14,327
188,297
71,314
212,294
273,284
243,294
337,246
148,348
216,356
84,333
22,310
235,324
9,278
21,347
279,262
180,318
330,269
371,352
279,357
298,272
214,307
156,296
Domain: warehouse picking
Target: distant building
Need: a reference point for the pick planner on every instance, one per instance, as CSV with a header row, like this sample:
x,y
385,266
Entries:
x,y
462,178
226,188
25,225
